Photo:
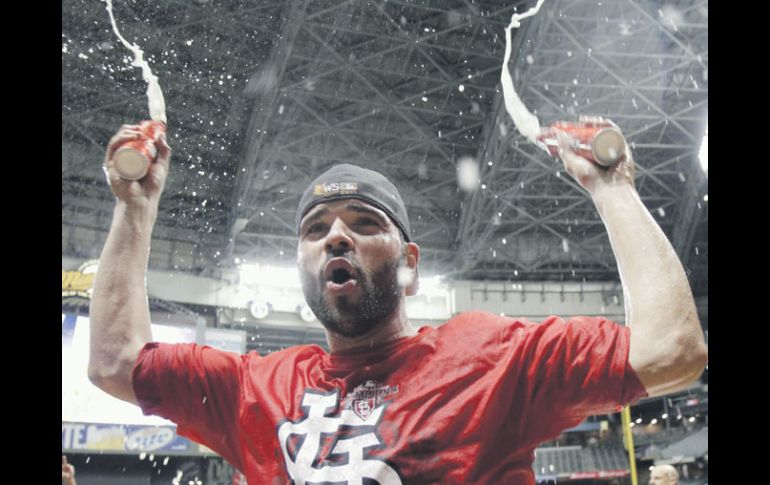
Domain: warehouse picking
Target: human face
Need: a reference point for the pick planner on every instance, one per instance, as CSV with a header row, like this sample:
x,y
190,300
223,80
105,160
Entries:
x,y
348,259
660,476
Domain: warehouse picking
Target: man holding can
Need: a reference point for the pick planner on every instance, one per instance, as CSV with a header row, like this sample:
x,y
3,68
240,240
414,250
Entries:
x,y
466,402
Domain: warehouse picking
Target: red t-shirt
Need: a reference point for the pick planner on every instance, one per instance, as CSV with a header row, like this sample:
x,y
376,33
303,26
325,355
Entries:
x,y
466,402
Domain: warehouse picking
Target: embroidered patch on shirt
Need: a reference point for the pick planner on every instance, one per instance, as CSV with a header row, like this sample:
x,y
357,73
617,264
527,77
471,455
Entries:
x,y
364,398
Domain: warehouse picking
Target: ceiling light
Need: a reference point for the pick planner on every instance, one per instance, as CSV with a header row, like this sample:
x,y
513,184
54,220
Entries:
x,y
260,309
703,153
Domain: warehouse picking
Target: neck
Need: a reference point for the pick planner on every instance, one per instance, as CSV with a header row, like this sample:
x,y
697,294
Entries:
x,y
393,328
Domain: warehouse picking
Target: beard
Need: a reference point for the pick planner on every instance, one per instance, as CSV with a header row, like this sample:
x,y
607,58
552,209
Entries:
x,y
380,296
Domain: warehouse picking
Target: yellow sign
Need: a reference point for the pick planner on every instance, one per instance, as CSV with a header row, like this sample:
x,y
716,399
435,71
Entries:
x,y
81,282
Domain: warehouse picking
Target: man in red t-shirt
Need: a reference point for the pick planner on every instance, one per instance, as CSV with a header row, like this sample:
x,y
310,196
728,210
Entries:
x,y
466,402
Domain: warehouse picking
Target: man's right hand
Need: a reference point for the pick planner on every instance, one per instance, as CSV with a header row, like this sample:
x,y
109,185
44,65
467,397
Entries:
x,y
147,189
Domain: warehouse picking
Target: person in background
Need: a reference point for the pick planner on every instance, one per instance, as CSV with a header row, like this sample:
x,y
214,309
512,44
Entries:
x,y
67,472
664,475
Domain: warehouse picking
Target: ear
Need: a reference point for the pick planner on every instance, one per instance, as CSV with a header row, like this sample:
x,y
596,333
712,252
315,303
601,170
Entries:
x,y
412,259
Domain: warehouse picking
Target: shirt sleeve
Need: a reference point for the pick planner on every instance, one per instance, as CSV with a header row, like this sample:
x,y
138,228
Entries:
x,y
575,369
197,387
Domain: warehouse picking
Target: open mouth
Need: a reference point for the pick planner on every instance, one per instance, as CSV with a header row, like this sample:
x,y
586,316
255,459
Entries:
x,y
340,276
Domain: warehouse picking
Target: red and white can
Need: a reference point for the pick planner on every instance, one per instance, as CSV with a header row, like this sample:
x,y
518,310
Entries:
x,y
133,158
596,139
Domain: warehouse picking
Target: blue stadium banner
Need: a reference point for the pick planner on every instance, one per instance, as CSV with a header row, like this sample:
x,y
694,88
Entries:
x,y
115,437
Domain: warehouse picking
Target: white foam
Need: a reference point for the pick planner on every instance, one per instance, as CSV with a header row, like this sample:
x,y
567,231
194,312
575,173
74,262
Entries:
x,y
467,174
405,276
156,103
527,123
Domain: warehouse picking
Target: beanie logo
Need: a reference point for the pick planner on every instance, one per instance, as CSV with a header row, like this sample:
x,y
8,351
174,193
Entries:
x,y
322,190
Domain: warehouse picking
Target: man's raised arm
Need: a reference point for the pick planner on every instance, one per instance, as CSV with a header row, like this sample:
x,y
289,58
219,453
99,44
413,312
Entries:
x,y
120,314
667,349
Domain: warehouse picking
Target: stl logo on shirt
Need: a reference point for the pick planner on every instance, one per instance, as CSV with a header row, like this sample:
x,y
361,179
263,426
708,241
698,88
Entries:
x,y
348,434
363,407
367,396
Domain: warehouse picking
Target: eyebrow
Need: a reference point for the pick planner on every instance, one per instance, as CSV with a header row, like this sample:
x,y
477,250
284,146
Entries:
x,y
316,215
361,209
366,210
